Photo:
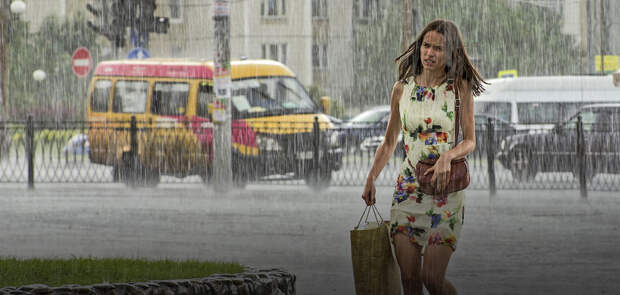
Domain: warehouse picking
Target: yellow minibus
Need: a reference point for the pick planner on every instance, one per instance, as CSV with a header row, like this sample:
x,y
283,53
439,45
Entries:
x,y
275,123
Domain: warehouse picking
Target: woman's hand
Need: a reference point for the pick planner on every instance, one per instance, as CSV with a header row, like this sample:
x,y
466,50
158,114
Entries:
x,y
369,191
441,173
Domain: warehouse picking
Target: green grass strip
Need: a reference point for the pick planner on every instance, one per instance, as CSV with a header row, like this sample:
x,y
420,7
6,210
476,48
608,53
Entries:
x,y
87,271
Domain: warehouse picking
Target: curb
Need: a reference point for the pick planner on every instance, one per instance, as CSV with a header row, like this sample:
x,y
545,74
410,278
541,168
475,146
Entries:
x,y
253,281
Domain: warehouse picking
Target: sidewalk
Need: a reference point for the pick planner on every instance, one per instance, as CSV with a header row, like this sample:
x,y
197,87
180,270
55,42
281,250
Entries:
x,y
520,242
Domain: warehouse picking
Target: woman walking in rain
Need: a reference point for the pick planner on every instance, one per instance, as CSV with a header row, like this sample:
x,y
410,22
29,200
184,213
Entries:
x,y
425,228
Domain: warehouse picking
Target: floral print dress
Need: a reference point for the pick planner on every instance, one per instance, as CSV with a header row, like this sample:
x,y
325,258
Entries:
x,y
427,116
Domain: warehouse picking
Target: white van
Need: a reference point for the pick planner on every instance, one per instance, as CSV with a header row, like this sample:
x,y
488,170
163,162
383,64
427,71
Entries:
x,y
540,102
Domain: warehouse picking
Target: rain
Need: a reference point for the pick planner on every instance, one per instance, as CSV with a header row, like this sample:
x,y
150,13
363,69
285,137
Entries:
x,y
245,130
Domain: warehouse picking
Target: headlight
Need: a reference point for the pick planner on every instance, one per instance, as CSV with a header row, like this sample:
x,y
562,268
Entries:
x,y
268,144
334,139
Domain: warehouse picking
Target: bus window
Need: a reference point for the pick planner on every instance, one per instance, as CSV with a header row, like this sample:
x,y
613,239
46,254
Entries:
x,y
545,112
496,109
205,97
169,98
101,96
130,96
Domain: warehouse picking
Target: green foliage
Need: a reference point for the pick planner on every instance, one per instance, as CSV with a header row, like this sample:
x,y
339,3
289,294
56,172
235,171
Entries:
x,y
377,44
497,36
502,36
61,95
87,271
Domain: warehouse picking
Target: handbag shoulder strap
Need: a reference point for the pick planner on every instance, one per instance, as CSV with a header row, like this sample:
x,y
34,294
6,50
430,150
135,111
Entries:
x,y
457,109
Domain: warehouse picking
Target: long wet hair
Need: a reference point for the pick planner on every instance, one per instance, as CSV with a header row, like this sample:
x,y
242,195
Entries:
x,y
458,65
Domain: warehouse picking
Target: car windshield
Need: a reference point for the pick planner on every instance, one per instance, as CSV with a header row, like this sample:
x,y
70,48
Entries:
x,y
270,96
370,116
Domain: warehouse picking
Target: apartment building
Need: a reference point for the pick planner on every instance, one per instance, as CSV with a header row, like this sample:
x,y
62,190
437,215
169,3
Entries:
x,y
37,10
313,37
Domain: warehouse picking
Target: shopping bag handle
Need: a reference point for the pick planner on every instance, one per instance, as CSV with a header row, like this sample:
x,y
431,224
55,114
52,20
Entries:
x,y
366,212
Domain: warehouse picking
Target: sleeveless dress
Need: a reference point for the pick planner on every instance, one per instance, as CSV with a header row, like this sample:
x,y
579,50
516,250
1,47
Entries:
x,y
427,116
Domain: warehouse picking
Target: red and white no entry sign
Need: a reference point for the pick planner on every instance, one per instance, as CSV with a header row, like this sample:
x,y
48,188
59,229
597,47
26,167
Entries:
x,y
81,62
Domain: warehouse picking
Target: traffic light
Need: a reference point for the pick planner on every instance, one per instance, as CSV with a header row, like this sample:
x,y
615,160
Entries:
x,y
110,19
160,25
148,21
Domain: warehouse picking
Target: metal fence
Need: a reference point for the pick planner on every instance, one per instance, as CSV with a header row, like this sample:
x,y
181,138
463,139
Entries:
x,y
577,156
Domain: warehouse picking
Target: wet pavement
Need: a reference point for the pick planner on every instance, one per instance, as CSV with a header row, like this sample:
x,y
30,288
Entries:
x,y
519,242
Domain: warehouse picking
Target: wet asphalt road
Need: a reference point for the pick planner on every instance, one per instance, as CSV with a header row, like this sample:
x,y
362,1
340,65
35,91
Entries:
x,y
520,242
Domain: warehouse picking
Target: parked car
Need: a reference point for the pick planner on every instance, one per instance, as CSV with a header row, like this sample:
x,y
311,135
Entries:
x,y
77,145
367,124
555,150
365,131
534,103
501,128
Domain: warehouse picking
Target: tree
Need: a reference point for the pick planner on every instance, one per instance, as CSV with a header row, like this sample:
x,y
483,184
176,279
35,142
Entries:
x,y
376,45
61,95
497,35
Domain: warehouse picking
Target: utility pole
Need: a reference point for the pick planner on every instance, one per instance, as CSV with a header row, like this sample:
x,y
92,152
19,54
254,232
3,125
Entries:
x,y
222,84
602,27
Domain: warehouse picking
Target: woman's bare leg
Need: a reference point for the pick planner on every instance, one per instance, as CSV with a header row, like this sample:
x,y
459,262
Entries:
x,y
436,259
410,262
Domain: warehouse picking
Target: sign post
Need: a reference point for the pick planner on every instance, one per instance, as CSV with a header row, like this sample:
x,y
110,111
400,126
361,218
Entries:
x,y
222,140
81,62
507,74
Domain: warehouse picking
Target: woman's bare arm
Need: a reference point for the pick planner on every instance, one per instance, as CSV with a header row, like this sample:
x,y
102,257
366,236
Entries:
x,y
468,144
464,148
386,149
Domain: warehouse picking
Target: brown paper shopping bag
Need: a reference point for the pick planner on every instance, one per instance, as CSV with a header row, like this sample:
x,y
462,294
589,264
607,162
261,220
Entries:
x,y
374,268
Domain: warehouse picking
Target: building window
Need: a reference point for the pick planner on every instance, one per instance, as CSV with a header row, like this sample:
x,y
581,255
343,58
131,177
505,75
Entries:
x,y
319,8
275,51
273,7
315,56
319,56
176,11
284,53
324,56
365,8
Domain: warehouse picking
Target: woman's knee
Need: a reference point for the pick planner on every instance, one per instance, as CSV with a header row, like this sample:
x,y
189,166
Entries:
x,y
433,281
412,284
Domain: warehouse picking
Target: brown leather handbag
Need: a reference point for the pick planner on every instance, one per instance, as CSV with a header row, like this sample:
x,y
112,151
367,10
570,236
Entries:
x,y
459,172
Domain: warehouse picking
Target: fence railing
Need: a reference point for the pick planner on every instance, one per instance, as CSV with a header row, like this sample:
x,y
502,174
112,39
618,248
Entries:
x,y
576,156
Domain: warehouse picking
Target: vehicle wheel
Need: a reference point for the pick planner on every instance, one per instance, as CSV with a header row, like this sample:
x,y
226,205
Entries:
x,y
240,180
522,167
116,173
318,181
141,177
